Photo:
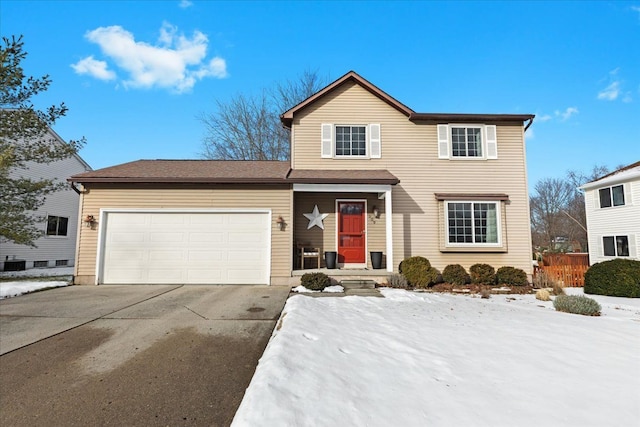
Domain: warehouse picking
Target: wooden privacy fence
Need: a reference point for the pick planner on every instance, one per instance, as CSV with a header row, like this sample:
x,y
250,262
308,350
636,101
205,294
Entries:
x,y
570,275
568,268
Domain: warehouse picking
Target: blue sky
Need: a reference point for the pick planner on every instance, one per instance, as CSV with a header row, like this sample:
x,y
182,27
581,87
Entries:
x,y
137,74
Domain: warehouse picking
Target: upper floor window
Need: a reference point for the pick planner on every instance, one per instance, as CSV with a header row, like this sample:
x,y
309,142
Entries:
x,y
348,141
616,245
57,225
466,141
611,196
351,141
458,141
472,223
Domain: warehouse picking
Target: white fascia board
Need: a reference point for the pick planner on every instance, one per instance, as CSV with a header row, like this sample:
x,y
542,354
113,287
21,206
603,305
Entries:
x,y
624,176
342,188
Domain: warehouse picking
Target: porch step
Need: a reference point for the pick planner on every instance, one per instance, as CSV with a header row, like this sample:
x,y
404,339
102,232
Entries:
x,y
349,284
363,292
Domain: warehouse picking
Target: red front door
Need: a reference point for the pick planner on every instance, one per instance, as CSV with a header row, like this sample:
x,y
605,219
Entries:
x,y
351,232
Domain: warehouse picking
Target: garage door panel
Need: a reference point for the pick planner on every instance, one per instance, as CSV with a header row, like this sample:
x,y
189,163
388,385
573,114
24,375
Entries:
x,y
196,248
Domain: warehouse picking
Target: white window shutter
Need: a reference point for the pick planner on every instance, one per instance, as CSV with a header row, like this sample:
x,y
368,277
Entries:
x,y
628,198
374,141
492,141
443,141
327,140
633,248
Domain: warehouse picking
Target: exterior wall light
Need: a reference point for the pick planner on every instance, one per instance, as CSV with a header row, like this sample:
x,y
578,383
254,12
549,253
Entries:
x,y
376,212
281,223
89,220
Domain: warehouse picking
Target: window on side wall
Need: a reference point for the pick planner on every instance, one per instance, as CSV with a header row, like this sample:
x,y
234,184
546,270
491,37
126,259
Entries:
x,y
611,196
615,245
57,225
466,141
473,223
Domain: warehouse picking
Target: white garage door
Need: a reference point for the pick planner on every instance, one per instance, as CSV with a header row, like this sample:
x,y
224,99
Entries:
x,y
186,248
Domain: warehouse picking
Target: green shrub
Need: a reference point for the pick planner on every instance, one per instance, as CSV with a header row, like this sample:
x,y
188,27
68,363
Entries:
x,y
511,276
397,281
482,274
455,274
577,304
431,277
315,281
616,278
417,271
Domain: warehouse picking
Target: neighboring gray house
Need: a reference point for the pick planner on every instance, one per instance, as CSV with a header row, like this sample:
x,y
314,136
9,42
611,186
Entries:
x,y
60,224
612,205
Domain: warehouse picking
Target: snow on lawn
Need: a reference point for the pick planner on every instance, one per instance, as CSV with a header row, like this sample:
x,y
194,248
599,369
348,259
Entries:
x,y
418,359
13,289
23,285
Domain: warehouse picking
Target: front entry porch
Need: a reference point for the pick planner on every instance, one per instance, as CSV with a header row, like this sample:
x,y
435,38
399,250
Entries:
x,y
348,222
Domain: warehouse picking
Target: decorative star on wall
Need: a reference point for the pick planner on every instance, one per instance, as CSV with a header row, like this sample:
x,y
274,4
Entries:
x,y
315,218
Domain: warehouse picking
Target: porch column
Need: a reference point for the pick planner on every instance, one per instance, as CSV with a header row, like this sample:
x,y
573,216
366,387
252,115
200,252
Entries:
x,y
388,215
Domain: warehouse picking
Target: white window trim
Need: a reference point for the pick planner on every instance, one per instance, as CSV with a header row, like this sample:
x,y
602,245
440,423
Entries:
x,y
630,244
367,141
372,135
448,154
498,244
610,187
56,236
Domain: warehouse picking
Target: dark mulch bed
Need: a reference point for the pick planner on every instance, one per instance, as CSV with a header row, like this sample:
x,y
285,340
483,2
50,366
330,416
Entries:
x,y
476,289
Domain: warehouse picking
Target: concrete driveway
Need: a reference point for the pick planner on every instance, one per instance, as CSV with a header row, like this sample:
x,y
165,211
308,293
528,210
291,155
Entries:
x,y
132,355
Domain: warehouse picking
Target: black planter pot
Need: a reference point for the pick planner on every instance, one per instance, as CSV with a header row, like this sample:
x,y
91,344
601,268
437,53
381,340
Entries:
x,y
330,259
376,260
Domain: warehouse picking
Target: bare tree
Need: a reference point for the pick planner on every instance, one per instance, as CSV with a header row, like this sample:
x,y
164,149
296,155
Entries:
x,y
552,195
248,127
557,209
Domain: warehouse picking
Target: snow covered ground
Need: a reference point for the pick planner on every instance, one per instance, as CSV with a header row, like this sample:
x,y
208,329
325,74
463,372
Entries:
x,y
24,286
419,359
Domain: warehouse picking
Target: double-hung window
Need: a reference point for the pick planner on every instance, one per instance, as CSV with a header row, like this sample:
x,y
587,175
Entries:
x,y
611,196
473,223
351,141
467,141
615,245
57,225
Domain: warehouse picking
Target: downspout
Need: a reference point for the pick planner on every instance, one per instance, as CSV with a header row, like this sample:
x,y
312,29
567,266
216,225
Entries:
x,y
529,124
74,188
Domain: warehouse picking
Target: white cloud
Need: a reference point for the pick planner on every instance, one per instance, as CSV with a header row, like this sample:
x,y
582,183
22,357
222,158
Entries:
x,y
94,68
544,118
185,4
566,114
636,9
611,92
176,62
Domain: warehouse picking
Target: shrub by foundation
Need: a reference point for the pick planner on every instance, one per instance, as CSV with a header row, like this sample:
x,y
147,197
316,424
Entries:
x,y
511,276
315,281
577,304
617,278
418,271
455,274
482,274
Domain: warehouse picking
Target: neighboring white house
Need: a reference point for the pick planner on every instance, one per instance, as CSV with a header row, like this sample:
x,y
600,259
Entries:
x,y
60,212
612,206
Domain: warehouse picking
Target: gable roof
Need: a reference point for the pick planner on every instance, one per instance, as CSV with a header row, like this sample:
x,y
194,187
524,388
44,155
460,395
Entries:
x,y
625,173
351,76
287,117
190,171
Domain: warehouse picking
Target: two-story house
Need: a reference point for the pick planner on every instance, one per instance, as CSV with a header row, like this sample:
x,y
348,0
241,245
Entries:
x,y
612,206
59,213
366,174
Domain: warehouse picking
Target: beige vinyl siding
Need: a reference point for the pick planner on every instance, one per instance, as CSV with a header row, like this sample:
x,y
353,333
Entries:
x,y
410,152
326,239
167,196
613,221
